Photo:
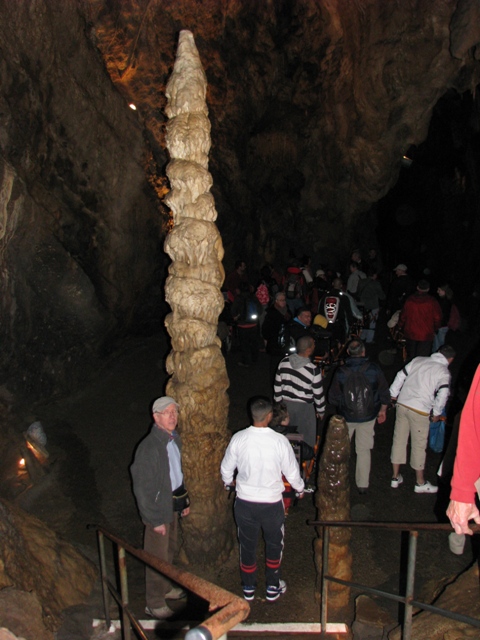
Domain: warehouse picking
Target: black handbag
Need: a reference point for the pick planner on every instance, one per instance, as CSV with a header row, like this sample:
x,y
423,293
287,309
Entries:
x,y
181,499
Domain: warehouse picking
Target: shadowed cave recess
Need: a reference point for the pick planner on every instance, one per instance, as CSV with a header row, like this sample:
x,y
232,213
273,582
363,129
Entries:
x,y
334,125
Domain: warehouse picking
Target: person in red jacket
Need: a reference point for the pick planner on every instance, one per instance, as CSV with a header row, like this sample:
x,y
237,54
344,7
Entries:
x,y
420,319
466,470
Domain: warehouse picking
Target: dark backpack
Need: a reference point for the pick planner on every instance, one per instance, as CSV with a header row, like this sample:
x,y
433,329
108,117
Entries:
x,y
358,393
293,286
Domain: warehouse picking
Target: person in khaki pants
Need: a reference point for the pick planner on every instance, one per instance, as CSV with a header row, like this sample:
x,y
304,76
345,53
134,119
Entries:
x,y
161,499
421,390
361,418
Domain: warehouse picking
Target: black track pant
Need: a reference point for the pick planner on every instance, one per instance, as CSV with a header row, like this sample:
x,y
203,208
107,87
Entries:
x,y
250,518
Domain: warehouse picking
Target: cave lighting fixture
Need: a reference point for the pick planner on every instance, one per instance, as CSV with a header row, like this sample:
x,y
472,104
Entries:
x,y
132,106
21,463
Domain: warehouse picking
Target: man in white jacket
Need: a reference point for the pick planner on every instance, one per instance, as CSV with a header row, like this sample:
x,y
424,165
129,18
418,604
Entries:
x,y
421,391
260,456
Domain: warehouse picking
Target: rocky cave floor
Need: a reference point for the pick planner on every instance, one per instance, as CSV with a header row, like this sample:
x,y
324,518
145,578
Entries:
x,y
91,438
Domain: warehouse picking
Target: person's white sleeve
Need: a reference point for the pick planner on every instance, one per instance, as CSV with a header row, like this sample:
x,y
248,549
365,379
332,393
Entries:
x,y
397,384
229,464
442,396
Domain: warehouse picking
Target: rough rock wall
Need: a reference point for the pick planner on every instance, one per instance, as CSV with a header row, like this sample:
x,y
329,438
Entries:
x,y
78,234
34,560
199,378
461,596
312,103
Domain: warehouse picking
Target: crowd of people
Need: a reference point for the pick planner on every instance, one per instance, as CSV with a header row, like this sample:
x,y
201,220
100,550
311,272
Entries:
x,y
270,312
296,317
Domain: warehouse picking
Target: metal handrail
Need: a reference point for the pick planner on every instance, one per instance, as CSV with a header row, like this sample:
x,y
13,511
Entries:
x,y
228,608
413,528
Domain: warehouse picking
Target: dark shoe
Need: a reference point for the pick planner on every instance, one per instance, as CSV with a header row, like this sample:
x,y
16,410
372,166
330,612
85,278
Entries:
x,y
273,593
362,490
249,593
162,613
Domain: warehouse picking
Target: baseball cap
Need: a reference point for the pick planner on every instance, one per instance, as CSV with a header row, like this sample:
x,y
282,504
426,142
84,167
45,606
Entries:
x,y
162,403
319,272
401,267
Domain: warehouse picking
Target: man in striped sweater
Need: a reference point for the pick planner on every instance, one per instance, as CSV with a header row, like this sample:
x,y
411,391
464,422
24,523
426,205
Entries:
x,y
298,383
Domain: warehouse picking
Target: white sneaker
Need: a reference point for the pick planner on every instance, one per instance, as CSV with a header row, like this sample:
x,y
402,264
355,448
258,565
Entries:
x,y
162,613
273,593
426,487
395,482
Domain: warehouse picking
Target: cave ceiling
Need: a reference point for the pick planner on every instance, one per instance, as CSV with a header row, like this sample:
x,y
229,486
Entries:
x,y
312,103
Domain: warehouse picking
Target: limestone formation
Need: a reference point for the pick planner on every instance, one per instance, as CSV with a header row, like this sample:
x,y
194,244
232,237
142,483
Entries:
x,y
39,567
333,503
312,105
199,379
462,596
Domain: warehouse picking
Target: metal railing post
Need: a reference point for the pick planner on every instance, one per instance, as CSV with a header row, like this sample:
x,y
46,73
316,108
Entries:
x,y
323,614
104,577
122,567
412,556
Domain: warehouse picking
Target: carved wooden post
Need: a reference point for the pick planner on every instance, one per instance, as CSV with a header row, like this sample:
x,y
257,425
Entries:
x,y
199,379
333,503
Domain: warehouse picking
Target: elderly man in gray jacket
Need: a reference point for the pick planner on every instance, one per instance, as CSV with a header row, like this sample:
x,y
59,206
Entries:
x,y
421,391
161,498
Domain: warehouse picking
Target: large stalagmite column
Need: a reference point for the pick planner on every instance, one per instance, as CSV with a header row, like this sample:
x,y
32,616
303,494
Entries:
x,y
199,379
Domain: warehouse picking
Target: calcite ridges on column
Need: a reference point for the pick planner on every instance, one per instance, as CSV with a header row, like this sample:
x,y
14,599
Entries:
x,y
333,503
199,379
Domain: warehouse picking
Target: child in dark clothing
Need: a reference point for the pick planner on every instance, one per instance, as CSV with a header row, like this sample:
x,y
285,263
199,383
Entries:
x,y
281,424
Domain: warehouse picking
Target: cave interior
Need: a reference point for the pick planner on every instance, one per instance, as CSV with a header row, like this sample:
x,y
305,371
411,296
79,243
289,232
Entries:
x,y
334,126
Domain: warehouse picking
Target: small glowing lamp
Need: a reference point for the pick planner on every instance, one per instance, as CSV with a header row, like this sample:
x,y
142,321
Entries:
x,y
132,106
21,463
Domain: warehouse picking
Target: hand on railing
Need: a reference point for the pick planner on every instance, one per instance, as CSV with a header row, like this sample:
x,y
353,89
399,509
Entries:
x,y
459,513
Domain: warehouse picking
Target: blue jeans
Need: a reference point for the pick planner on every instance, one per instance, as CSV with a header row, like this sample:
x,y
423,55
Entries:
x,y
439,339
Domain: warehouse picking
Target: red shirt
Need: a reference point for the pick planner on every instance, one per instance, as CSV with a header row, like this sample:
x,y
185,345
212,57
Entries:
x,y
421,317
466,470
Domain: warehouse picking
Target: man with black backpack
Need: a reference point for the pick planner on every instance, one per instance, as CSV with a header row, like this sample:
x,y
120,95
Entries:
x,y
360,393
